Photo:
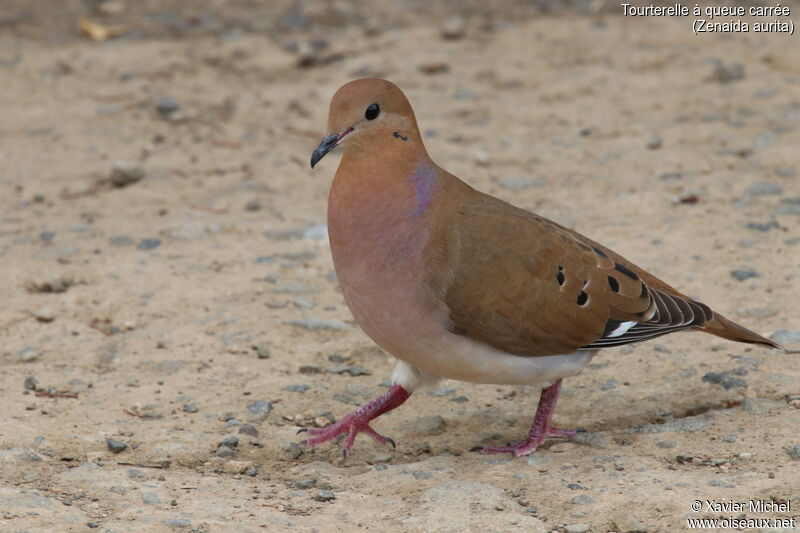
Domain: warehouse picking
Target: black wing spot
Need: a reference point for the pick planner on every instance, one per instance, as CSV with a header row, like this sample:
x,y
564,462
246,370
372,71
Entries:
x,y
560,276
625,270
396,135
613,283
582,299
611,325
599,252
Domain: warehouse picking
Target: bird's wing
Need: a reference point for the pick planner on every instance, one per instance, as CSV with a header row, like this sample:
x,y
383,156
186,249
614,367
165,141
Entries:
x,y
531,287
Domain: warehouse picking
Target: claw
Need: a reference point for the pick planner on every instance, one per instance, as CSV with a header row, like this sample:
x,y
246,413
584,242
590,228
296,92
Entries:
x,y
304,443
301,430
391,441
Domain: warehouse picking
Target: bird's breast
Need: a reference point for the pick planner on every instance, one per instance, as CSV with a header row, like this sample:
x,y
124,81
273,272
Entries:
x,y
380,247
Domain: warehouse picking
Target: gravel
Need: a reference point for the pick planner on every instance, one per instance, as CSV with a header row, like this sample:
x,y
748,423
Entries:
x,y
263,351
582,499
314,324
794,452
784,337
248,429
324,496
116,446
167,106
124,174
259,410
230,442
291,449
148,244
741,274
225,451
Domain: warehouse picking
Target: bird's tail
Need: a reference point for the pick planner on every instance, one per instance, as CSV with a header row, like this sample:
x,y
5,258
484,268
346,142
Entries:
x,y
727,329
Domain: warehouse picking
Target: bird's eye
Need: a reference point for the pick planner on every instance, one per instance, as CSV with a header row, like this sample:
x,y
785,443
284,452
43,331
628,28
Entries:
x,y
372,112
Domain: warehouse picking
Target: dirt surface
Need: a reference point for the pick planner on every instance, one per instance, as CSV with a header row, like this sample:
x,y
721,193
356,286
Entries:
x,y
188,296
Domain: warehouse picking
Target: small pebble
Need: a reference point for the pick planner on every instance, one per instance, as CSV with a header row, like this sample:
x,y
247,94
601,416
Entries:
x,y
741,274
31,383
248,429
324,496
124,174
290,449
454,28
794,452
148,244
45,314
305,484
225,451
577,528
167,106
190,408
582,499
116,446
263,351
230,442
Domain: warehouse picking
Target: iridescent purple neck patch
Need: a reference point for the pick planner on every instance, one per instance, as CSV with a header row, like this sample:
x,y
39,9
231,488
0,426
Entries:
x,y
424,178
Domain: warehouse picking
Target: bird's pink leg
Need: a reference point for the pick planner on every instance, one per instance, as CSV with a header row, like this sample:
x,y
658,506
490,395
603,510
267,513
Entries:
x,y
357,421
540,429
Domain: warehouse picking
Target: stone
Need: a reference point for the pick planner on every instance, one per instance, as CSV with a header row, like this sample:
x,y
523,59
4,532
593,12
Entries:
x,y
582,499
794,452
681,424
263,351
148,244
230,442
378,458
576,528
124,174
305,484
742,274
31,383
314,324
225,451
454,28
625,523
290,449
167,106
116,446
248,429
324,496
28,355
45,314
259,410
150,498
784,337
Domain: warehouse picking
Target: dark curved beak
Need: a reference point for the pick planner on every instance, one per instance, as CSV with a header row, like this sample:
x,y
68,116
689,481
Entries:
x,y
329,142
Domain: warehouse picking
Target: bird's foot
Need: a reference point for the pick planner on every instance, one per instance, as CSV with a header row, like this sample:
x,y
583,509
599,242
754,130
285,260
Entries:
x,y
540,429
358,421
531,443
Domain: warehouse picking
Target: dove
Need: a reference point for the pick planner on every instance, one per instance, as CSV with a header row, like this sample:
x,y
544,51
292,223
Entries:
x,y
458,284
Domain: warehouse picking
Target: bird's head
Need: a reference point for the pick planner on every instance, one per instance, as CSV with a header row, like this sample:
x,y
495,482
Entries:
x,y
365,111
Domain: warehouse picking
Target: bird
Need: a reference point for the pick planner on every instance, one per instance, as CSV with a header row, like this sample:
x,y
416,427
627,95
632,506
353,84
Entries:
x,y
455,283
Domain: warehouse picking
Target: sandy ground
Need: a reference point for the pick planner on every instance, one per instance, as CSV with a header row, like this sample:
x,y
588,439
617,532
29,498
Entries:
x,y
198,303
